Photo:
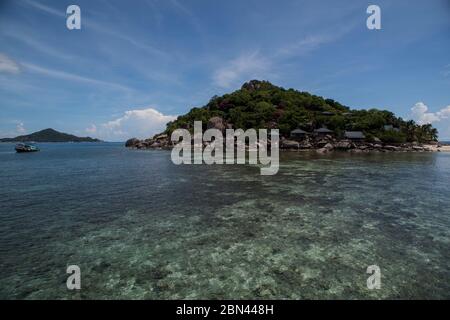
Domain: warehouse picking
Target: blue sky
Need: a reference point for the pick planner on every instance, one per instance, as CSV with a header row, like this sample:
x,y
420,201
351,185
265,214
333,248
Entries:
x,y
134,65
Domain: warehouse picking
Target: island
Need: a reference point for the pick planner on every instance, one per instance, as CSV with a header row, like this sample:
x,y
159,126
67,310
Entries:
x,y
305,122
49,135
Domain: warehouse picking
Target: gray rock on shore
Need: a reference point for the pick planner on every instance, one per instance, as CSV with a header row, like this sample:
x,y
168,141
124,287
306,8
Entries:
x,y
289,144
131,142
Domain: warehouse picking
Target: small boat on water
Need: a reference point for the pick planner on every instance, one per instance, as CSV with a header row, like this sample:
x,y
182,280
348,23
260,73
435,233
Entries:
x,y
26,147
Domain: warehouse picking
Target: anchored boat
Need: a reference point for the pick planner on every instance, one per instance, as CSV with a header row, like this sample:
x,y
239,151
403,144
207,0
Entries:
x,y
26,147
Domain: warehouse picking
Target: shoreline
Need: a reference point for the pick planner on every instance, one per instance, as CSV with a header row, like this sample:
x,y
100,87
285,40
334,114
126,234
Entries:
x,y
321,145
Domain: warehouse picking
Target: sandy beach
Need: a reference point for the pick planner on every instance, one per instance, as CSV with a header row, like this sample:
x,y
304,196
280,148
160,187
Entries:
x,y
435,148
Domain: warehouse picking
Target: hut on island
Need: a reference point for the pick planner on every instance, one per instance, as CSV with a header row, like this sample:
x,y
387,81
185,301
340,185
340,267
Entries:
x,y
298,134
323,132
354,135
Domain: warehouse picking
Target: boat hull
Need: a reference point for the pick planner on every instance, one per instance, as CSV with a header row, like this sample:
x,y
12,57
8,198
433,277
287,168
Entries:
x,y
26,151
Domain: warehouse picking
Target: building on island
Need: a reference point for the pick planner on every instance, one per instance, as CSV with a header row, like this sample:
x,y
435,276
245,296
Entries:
x,y
323,132
354,135
299,134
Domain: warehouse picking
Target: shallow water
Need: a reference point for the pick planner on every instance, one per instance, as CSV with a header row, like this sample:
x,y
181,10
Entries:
x,y
140,227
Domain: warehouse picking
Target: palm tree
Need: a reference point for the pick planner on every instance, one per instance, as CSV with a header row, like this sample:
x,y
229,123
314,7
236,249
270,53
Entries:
x,y
410,130
434,134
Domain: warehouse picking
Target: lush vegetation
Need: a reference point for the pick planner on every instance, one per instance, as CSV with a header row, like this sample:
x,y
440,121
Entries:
x,y
260,104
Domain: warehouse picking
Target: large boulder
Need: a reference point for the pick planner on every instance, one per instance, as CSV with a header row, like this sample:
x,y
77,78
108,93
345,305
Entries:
x,y
253,85
344,145
131,143
322,150
391,148
216,123
321,143
289,144
305,145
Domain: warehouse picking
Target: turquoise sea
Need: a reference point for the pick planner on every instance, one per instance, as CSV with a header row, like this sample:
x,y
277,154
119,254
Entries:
x,y
140,227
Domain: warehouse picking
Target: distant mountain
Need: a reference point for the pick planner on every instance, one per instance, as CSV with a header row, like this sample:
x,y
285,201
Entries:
x,y
49,135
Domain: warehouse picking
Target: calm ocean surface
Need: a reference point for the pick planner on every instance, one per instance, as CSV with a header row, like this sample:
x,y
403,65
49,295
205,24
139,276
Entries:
x,y
140,227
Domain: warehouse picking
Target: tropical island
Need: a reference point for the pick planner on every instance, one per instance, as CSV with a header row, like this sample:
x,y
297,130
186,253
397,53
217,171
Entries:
x,y
305,121
49,135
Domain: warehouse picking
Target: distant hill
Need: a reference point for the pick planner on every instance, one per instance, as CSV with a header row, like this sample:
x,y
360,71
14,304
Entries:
x,y
49,135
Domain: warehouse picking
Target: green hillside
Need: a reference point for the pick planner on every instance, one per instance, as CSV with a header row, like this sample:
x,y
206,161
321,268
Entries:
x,y
260,104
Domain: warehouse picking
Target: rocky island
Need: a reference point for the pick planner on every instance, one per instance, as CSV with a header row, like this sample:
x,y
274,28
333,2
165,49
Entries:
x,y
305,122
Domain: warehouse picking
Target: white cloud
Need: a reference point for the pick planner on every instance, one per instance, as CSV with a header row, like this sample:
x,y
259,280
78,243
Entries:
x,y
140,123
241,69
20,128
92,129
8,65
421,115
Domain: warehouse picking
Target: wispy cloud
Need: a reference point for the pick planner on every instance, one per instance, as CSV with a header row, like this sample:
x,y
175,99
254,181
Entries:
x,y
123,37
303,46
8,65
155,11
24,37
315,41
72,77
20,128
245,66
446,71
188,14
86,23
256,65
45,8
